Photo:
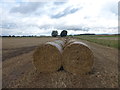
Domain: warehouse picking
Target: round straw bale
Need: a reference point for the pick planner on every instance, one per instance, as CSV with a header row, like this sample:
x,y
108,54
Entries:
x,y
47,57
77,58
69,41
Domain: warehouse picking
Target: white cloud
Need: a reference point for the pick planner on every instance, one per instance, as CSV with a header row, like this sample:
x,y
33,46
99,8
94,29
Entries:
x,y
92,16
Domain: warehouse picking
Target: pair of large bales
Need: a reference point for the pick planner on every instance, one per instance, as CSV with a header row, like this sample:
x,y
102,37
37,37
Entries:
x,y
75,57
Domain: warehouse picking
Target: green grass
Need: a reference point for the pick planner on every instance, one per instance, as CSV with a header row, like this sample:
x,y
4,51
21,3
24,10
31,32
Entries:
x,y
116,36
105,42
98,36
109,43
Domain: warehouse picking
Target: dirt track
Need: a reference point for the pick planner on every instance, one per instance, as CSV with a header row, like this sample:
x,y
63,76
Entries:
x,y
18,70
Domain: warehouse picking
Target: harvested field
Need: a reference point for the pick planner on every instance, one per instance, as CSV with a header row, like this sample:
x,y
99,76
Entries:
x,y
18,70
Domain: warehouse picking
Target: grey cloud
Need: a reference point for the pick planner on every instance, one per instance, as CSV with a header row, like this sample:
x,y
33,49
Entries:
x,y
37,8
62,27
75,28
65,12
8,25
46,26
27,7
87,17
59,3
112,7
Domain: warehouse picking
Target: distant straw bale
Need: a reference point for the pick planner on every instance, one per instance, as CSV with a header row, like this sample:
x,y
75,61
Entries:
x,y
69,41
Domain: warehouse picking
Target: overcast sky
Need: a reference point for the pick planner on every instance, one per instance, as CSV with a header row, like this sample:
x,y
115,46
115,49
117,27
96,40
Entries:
x,y
25,17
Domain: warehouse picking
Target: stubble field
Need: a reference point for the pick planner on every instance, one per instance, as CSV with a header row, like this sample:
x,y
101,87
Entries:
x,y
18,69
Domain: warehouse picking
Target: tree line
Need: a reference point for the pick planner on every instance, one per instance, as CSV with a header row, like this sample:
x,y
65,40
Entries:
x,y
53,34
